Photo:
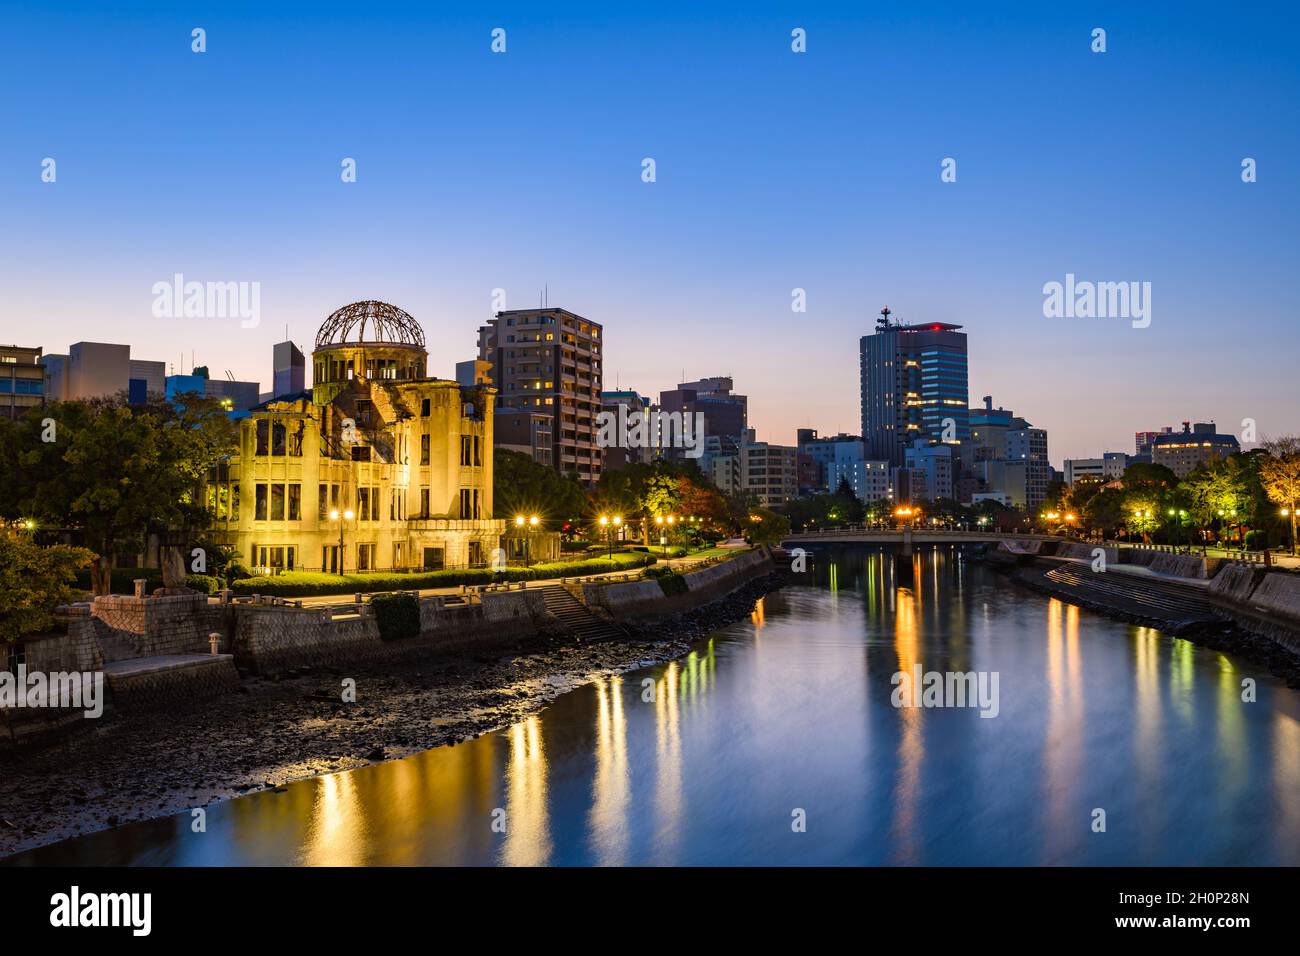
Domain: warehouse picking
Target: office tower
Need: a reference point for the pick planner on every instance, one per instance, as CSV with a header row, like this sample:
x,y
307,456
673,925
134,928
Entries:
x,y
1196,445
22,380
288,369
725,413
99,369
1109,467
236,397
913,381
1007,456
549,360
822,452
1142,441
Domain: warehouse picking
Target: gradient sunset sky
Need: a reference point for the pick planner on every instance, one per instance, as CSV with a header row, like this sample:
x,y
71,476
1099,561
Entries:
x,y
775,170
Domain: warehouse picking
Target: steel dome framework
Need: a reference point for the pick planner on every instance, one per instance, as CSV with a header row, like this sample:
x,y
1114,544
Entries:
x,y
370,323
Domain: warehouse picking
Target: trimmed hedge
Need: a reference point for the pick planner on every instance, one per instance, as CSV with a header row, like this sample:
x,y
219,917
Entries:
x,y
314,583
398,616
204,583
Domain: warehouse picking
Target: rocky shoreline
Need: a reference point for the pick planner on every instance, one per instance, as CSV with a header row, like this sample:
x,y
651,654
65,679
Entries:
x,y
276,731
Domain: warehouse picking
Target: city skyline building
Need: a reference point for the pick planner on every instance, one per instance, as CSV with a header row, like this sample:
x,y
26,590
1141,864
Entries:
x,y
549,360
22,380
913,383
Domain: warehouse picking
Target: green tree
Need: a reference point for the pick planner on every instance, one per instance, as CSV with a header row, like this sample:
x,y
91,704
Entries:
x,y
521,486
33,582
1104,511
766,527
1279,473
116,472
1147,475
1218,493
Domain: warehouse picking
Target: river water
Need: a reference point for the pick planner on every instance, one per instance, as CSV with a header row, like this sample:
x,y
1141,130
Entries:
x,y
776,742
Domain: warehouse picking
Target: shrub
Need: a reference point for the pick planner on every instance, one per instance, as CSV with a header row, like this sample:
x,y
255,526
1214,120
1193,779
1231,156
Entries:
x,y
1257,540
398,616
33,582
204,583
575,545
237,572
672,584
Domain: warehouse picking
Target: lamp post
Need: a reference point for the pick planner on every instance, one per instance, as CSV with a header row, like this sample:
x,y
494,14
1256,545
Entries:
x,y
664,524
609,524
527,526
340,518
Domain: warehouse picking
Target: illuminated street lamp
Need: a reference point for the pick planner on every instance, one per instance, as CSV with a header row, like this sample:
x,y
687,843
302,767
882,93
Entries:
x,y
527,526
609,524
345,516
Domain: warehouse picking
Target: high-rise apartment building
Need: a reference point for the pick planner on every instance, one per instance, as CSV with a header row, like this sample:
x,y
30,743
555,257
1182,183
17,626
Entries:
x,y
549,360
768,472
913,381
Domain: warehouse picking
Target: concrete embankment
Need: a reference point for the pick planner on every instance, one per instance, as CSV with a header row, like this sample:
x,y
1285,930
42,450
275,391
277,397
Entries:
x,y
646,600
1249,611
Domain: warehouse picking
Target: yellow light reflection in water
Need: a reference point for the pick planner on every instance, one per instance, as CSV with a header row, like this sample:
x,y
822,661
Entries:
x,y
1063,742
1181,679
610,788
336,836
911,742
669,810
528,837
758,616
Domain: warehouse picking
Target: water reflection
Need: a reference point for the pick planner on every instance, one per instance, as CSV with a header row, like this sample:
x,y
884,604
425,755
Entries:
x,y
704,760
527,836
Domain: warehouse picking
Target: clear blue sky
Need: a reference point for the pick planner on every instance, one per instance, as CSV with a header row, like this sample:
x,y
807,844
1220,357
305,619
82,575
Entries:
x,y
775,170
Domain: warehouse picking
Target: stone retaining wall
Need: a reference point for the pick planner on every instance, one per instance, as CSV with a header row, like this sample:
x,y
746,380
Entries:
x,y
646,599
158,625
193,679
274,639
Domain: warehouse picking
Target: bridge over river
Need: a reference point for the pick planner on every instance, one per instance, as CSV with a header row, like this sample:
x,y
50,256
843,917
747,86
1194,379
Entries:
x,y
907,537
